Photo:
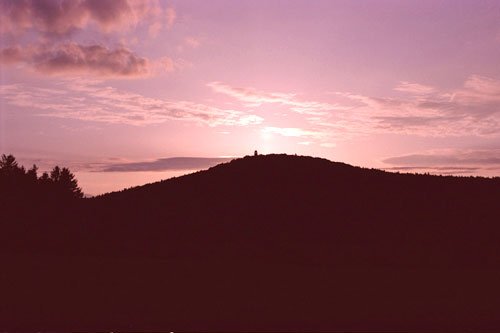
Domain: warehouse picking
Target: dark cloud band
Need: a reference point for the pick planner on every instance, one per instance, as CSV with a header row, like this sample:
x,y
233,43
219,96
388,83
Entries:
x,y
71,58
448,162
165,164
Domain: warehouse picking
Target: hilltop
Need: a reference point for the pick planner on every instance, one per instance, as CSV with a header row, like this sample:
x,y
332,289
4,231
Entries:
x,y
269,242
293,201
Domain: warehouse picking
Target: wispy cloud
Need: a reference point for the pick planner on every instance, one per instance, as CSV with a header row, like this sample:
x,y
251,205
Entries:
x,y
425,111
91,100
191,41
317,128
294,132
323,137
414,88
416,110
165,164
484,86
161,22
253,97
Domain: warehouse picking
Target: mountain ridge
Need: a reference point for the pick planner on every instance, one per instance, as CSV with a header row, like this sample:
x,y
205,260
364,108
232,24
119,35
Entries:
x,y
281,190
262,243
247,158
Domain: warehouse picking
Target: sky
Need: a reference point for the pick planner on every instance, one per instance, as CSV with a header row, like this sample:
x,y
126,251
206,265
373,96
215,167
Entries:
x,y
127,92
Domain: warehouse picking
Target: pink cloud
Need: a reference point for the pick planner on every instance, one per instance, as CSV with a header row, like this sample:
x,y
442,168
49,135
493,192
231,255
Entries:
x,y
162,21
71,58
294,132
254,97
62,17
170,16
419,110
472,110
181,64
191,41
324,137
12,55
166,64
154,29
414,88
484,85
89,100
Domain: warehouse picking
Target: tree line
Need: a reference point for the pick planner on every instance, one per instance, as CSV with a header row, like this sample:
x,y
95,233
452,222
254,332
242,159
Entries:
x,y
15,180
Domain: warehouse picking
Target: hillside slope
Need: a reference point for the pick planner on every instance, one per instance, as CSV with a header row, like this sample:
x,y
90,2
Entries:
x,y
272,242
318,209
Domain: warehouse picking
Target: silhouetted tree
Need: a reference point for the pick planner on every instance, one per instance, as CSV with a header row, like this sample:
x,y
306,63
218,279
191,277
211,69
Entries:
x,y
8,162
9,166
69,183
44,178
16,182
32,173
55,174
65,183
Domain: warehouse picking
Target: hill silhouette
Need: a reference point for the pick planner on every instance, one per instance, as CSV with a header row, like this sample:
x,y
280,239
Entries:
x,y
269,243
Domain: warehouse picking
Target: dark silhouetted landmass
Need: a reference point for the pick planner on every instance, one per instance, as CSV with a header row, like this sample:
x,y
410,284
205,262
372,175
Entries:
x,y
262,243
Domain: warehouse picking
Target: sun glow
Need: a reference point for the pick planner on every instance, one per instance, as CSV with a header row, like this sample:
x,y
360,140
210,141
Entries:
x,y
266,136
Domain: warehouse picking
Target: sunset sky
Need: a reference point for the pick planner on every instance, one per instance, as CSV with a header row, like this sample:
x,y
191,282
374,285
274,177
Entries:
x,y
115,89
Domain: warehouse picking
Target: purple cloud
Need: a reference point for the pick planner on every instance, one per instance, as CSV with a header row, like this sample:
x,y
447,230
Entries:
x,y
448,162
71,58
97,59
11,55
63,17
472,157
165,164
53,20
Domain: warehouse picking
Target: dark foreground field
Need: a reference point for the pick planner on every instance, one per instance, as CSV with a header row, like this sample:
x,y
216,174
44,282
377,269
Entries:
x,y
271,243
